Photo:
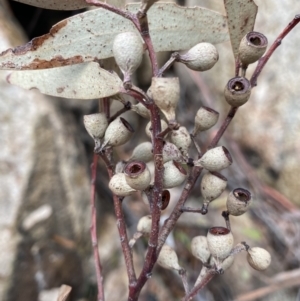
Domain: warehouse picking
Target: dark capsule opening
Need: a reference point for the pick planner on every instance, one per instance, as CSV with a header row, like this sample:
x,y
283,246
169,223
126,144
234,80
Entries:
x,y
218,175
242,195
210,110
127,125
227,154
165,199
219,231
135,168
239,85
257,39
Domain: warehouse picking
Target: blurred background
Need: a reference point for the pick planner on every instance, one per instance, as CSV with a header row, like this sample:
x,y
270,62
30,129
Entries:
x,y
45,157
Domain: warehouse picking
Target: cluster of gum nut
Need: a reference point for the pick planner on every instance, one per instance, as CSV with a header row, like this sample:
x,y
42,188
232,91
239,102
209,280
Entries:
x,y
217,247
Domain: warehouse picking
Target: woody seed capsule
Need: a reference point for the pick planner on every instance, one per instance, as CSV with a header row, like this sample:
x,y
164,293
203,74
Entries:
x,y
258,258
182,139
237,91
95,124
137,175
215,159
220,242
252,48
165,93
171,152
128,52
238,201
168,259
205,119
201,57
144,224
212,185
174,174
118,132
148,126
142,152
199,248
119,186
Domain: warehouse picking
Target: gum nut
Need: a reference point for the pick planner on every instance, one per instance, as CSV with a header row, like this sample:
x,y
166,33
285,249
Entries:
x,y
141,110
252,47
144,224
258,258
238,201
174,174
142,152
182,139
201,57
215,159
137,175
199,248
205,119
212,185
165,93
95,124
220,242
128,51
168,259
119,186
237,91
118,132
164,126
171,152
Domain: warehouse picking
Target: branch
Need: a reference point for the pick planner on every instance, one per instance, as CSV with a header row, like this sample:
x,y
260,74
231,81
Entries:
x,y
223,127
262,62
121,227
93,230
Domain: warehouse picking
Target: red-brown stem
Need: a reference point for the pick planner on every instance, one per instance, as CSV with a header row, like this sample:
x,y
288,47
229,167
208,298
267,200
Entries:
x,y
223,127
151,255
126,107
262,62
93,230
176,213
144,30
121,228
206,279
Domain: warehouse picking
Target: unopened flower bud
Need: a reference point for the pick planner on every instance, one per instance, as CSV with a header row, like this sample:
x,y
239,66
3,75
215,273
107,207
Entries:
x,y
171,152
168,259
137,175
119,186
164,126
199,248
252,48
95,124
182,139
118,132
205,119
258,258
215,159
165,93
174,174
144,224
128,51
212,185
141,110
237,91
201,57
220,242
238,201
142,152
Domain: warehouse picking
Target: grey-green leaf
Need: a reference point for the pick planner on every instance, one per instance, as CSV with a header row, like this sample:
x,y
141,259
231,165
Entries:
x,y
56,4
89,36
81,81
241,16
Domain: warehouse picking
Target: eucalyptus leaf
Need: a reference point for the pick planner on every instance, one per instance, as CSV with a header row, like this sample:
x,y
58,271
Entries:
x,y
241,16
89,36
56,4
81,81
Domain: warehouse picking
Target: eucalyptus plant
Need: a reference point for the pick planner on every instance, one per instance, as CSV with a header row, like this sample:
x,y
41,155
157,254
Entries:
x,y
72,62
